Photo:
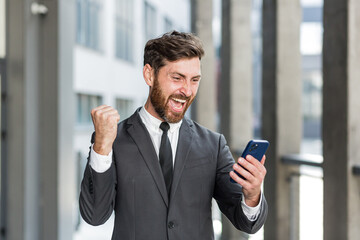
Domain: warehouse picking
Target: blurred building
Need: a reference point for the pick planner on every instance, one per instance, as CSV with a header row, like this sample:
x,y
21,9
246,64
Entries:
x,y
108,54
311,31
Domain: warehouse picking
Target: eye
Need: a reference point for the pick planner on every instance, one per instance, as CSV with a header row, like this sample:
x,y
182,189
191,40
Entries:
x,y
176,78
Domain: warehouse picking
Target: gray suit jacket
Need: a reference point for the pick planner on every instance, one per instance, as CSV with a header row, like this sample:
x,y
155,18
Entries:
x,y
134,187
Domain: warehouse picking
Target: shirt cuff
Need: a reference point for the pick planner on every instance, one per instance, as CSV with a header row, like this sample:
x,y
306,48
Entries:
x,y
251,213
100,163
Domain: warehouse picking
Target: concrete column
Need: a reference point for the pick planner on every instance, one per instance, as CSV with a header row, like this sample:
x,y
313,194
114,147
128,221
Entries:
x,y
341,119
22,166
281,112
67,165
236,84
41,168
236,73
204,107
354,118
57,109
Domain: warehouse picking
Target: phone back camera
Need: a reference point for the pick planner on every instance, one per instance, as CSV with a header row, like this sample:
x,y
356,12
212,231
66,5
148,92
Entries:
x,y
253,147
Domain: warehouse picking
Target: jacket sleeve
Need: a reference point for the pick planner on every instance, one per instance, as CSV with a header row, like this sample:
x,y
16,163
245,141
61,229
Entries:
x,y
228,195
97,196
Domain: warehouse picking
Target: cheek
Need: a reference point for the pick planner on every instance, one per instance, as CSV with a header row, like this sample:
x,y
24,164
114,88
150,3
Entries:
x,y
195,89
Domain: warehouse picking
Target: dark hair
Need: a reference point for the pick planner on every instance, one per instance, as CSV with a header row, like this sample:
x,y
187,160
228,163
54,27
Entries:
x,y
170,47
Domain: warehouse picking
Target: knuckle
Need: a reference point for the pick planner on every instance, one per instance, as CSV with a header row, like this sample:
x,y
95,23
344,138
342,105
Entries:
x,y
97,113
102,116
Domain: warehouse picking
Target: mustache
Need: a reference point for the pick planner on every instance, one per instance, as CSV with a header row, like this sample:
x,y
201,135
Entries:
x,y
180,96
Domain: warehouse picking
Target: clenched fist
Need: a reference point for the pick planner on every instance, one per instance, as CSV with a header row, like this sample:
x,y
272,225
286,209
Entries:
x,y
105,120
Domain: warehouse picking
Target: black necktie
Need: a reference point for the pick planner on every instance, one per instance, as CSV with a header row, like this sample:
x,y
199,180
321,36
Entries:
x,y
165,156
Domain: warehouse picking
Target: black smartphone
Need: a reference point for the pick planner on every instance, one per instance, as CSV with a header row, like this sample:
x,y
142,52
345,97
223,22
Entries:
x,y
255,148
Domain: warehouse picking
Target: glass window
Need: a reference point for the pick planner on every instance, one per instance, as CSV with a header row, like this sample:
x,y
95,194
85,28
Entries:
x,y
85,103
311,31
150,21
125,107
124,29
311,38
88,23
2,29
311,183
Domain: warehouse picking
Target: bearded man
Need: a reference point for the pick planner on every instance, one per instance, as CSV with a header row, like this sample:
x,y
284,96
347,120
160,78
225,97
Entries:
x,y
159,170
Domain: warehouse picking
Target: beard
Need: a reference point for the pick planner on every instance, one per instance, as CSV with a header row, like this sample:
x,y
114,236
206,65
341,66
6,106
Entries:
x,y
161,104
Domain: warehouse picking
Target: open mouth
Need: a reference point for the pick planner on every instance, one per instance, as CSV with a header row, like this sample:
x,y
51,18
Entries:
x,y
177,104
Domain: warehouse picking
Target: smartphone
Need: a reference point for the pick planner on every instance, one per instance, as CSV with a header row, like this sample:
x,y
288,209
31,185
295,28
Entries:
x,y
255,148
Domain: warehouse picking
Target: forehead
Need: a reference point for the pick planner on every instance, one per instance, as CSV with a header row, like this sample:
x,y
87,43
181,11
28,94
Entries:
x,y
185,66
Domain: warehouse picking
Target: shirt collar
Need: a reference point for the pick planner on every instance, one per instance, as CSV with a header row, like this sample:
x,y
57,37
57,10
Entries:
x,y
154,123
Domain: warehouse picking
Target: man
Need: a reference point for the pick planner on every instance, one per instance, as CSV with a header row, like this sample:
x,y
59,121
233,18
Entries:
x,y
159,170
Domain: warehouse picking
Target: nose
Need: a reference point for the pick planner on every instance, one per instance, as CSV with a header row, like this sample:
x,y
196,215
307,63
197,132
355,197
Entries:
x,y
186,89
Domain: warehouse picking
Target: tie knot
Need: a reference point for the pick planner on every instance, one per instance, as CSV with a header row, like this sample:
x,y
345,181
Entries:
x,y
164,126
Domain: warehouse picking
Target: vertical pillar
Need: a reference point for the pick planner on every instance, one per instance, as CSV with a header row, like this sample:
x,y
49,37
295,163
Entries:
x,y
204,109
341,119
49,102
281,111
66,107
236,84
40,170
56,100
354,117
15,194
236,73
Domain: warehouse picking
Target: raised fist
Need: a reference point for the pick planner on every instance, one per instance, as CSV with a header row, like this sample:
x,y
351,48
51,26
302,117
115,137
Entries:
x,y
105,119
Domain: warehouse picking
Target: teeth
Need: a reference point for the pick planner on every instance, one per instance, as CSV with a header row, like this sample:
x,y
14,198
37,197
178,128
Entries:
x,y
179,100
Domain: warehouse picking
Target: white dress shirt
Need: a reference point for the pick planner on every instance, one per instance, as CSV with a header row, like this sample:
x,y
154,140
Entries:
x,y
101,163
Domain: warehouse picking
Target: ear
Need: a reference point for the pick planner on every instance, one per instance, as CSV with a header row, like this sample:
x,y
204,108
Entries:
x,y
148,74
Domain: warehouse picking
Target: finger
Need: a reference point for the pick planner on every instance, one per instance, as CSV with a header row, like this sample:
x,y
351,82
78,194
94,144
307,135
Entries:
x,y
256,163
248,165
106,115
99,108
105,112
238,179
243,172
95,111
108,112
263,160
105,109
252,160
112,114
256,168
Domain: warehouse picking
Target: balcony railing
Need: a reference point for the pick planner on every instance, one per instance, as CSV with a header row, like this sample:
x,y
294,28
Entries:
x,y
313,160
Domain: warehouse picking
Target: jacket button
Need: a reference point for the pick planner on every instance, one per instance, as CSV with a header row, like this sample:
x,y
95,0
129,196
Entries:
x,y
171,225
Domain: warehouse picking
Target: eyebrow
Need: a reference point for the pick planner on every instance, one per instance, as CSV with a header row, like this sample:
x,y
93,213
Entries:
x,y
182,75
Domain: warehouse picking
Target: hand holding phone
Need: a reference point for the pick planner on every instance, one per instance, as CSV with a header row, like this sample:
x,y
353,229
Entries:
x,y
255,148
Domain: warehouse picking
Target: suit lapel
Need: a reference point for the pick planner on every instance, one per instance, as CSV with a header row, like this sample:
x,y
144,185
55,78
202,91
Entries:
x,y
184,143
141,136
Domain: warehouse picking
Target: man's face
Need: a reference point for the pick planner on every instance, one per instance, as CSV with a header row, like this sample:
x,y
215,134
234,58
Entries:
x,y
174,89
